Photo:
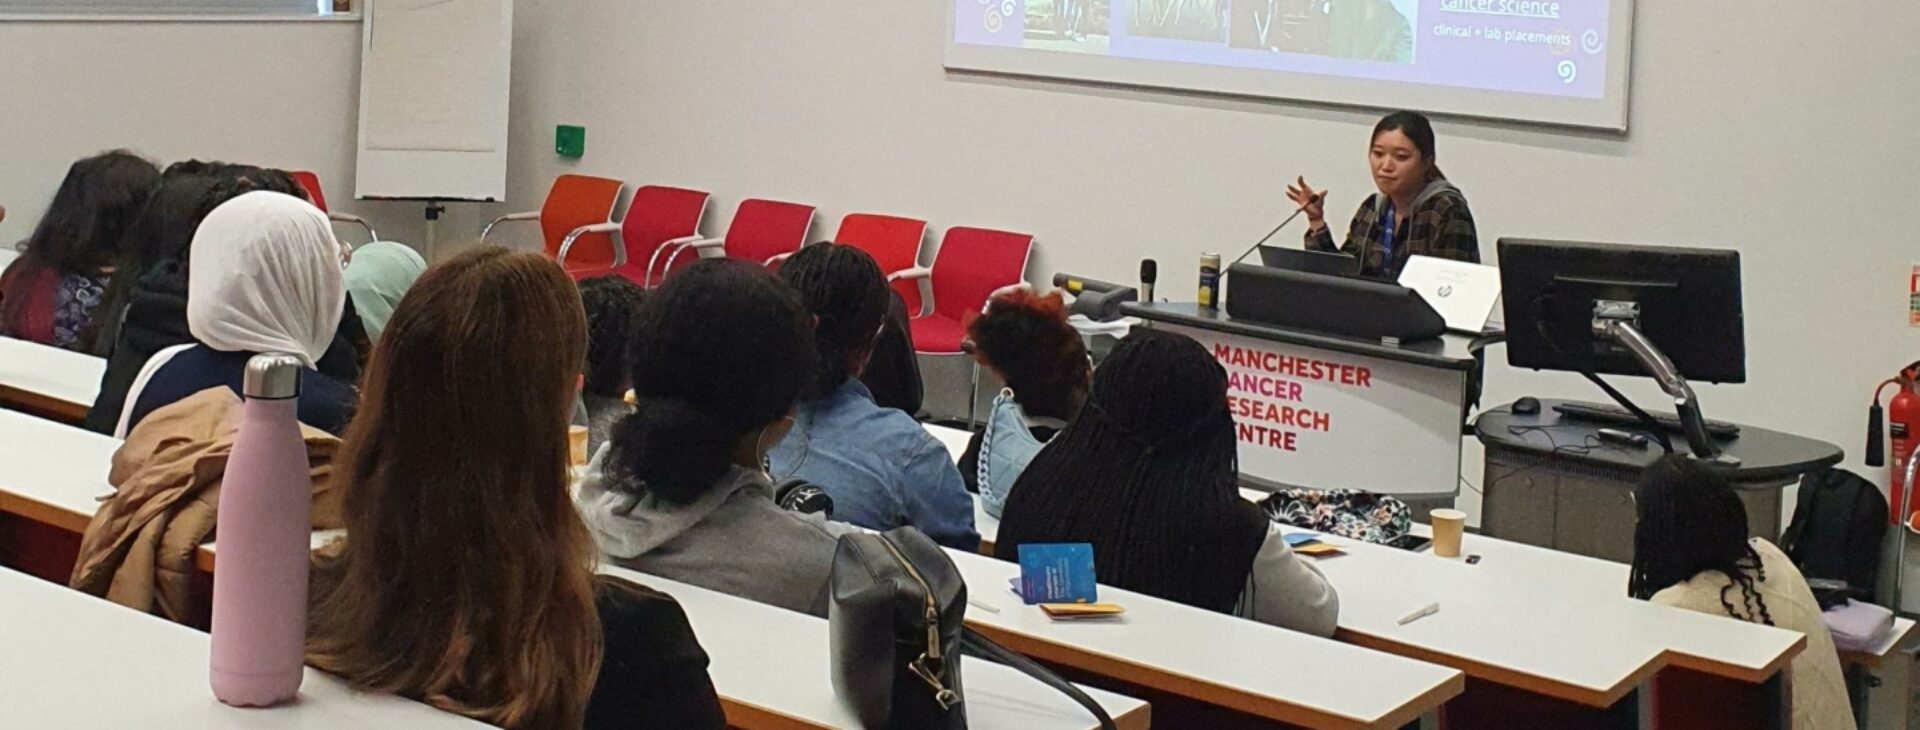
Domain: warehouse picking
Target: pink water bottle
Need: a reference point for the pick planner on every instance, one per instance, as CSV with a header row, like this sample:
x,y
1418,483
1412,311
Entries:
x,y
260,582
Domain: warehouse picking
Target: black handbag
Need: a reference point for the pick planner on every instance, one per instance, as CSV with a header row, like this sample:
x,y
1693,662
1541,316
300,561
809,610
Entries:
x,y
895,613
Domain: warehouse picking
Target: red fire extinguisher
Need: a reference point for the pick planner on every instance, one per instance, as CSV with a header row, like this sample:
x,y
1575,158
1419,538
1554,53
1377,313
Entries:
x,y
1902,418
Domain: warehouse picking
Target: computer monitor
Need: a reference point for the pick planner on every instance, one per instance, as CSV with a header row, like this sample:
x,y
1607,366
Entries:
x,y
1686,301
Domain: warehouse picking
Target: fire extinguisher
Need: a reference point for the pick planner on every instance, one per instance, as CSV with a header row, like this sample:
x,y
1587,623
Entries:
x,y
1902,419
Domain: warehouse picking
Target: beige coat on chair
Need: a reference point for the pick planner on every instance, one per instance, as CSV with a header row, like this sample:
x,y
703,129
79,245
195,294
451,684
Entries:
x,y
139,549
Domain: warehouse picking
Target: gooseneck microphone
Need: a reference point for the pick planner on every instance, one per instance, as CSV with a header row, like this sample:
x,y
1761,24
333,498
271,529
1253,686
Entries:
x,y
1263,239
1149,273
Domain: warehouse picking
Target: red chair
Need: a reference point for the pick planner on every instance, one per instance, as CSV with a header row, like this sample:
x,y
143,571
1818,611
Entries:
x,y
310,183
658,218
893,242
574,201
972,264
762,231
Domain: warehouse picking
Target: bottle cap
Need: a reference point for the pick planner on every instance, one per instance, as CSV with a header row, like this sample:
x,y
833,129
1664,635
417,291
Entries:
x,y
272,376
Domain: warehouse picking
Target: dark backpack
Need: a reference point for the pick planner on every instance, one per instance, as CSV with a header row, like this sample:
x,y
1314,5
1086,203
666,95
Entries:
x,y
1837,530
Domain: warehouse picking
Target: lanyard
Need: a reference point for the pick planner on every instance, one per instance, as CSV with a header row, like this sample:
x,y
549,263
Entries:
x,y
1386,234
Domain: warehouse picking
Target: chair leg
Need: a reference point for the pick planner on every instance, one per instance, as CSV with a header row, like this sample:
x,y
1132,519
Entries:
x,y
973,397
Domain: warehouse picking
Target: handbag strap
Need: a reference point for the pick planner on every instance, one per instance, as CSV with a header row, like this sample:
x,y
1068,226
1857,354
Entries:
x,y
979,645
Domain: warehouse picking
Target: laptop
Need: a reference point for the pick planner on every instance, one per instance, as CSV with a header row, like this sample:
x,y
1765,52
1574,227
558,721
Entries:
x,y
1309,262
1464,294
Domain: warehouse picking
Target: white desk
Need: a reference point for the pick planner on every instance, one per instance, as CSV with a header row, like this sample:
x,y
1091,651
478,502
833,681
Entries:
x,y
1542,621
747,642
772,665
7,255
52,473
1215,658
74,661
48,380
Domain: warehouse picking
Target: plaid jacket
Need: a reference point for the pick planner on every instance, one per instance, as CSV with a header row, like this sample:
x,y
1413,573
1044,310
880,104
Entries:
x,y
1441,227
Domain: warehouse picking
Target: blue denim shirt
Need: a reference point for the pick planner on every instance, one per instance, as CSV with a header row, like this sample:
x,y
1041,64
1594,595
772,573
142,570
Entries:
x,y
882,469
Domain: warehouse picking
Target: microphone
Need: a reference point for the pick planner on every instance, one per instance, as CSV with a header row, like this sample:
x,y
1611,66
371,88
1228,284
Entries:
x,y
1149,272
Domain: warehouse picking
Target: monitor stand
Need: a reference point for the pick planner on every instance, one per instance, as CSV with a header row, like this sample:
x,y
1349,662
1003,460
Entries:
x,y
1615,321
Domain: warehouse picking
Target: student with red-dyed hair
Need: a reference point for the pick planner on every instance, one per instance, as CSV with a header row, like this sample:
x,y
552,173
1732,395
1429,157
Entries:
x,y
1024,338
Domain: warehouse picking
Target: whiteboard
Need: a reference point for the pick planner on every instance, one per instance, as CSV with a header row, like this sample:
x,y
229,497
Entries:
x,y
433,99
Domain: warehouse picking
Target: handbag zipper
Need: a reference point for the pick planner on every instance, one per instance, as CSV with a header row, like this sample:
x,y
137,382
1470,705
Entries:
x,y
941,694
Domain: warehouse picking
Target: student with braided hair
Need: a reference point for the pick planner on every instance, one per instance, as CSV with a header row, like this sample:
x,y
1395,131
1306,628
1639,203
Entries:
x,y
1024,338
1691,551
612,303
1148,473
882,469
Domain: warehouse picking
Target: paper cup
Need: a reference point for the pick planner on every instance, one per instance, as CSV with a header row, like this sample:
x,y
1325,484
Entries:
x,y
577,445
1448,526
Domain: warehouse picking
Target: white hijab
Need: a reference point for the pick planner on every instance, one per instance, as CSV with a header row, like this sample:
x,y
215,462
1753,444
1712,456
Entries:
x,y
264,275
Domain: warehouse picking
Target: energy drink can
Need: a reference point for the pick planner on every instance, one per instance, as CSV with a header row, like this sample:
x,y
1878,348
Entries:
x,y
1210,281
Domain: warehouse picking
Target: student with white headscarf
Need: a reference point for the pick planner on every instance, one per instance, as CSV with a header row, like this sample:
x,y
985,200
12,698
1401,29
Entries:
x,y
264,275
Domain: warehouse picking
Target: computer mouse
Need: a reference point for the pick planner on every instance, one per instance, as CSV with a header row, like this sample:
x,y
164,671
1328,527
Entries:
x,y
1526,406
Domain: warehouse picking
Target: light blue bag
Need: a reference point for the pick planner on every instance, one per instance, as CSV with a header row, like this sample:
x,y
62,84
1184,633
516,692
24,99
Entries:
x,y
1006,447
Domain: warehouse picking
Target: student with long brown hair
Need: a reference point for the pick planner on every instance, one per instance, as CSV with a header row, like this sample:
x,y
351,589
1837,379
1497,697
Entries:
x,y
466,579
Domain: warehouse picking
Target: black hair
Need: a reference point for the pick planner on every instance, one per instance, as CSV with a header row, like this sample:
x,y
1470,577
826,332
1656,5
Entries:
x,y
1024,337
1419,131
1692,522
846,292
1148,473
612,302
713,358
84,225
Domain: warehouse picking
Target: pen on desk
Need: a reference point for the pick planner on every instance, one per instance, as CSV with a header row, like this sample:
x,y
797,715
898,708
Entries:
x,y
1429,610
982,606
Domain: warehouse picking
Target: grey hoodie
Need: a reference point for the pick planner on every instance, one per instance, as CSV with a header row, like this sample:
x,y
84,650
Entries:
x,y
732,539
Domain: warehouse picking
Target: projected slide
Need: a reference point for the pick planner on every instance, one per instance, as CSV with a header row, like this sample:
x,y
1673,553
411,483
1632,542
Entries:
x,y
1555,61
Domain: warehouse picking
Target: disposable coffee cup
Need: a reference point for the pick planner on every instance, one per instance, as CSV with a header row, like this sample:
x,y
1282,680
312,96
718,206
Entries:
x,y
1448,526
577,445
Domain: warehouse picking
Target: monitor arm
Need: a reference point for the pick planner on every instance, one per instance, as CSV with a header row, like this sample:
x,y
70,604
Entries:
x,y
1617,322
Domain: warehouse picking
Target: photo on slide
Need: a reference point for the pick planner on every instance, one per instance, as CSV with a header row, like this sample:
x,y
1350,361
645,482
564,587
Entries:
x,y
1367,30
1076,26
1187,20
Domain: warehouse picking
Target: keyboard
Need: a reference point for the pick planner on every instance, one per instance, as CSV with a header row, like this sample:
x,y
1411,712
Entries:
x,y
1616,416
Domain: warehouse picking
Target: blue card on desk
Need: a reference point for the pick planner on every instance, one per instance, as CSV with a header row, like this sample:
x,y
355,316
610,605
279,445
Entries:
x,y
1057,574
1296,539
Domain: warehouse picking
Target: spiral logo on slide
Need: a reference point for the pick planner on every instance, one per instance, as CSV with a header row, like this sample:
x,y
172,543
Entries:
x,y
1591,43
993,20
1569,71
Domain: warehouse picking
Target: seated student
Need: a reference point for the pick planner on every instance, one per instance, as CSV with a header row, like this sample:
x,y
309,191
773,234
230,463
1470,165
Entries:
x,y
718,359
265,277
1024,338
49,294
1147,473
162,229
490,608
611,303
1690,550
882,469
893,373
380,274
150,292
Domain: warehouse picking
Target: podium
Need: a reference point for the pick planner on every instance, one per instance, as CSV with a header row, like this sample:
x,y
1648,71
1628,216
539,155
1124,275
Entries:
x,y
1323,411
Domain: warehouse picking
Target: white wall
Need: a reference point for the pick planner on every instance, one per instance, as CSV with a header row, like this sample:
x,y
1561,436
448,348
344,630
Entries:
x,y
1775,130
1779,131
271,93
